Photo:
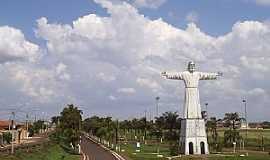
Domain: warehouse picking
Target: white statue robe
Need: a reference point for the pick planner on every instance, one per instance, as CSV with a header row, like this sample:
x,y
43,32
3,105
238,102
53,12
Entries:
x,y
192,108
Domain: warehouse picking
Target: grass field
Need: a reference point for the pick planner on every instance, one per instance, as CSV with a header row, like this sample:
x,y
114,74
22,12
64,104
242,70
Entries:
x,y
48,151
148,152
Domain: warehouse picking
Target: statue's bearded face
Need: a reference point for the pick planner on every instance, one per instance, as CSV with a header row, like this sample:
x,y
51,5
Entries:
x,y
191,67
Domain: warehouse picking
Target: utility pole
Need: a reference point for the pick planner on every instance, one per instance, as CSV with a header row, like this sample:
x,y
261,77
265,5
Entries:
x,y
27,125
145,126
206,119
157,99
12,130
206,108
245,103
116,133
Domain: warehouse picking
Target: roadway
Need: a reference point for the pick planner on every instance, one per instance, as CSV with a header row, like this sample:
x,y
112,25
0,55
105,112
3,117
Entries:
x,y
93,151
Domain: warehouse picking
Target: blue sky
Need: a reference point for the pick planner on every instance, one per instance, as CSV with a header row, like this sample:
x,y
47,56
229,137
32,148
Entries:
x,y
215,17
106,55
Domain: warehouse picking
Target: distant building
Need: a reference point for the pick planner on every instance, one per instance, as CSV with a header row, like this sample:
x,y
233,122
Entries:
x,y
20,131
244,124
255,125
4,125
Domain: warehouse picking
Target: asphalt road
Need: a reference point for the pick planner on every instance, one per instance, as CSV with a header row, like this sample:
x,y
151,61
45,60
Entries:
x,y
94,152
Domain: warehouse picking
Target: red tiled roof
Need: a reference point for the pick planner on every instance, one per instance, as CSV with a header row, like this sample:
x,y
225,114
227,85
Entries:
x,y
4,123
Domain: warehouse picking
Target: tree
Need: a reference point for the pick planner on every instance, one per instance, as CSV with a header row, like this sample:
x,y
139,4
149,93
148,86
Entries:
x,y
55,119
231,119
266,125
168,125
68,130
231,135
7,137
92,124
211,126
37,126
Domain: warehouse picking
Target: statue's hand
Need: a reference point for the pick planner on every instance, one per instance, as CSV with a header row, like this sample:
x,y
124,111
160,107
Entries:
x,y
164,74
220,74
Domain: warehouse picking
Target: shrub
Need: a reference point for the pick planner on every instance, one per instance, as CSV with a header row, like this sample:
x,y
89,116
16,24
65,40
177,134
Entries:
x,y
7,137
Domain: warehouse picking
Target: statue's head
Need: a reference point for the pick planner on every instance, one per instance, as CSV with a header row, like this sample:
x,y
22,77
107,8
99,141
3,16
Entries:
x,y
191,66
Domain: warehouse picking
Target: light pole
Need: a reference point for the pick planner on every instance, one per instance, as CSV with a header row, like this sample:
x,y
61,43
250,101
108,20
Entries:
x,y
145,126
157,99
206,104
206,118
12,131
245,104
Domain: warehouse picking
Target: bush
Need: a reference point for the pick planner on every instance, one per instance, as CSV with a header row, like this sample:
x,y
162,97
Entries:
x,y
7,137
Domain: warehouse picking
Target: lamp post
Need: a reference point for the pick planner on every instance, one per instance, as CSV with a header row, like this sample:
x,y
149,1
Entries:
x,y
206,118
145,126
12,131
245,105
206,104
157,99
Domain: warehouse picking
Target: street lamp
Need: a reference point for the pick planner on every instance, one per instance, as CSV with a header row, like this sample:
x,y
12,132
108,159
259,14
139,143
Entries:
x,y
206,118
245,104
206,104
157,99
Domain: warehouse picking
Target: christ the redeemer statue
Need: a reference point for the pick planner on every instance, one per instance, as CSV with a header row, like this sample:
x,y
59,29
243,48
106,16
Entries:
x,y
192,126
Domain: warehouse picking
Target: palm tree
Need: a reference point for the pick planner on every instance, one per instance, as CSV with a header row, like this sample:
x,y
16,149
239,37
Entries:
x,y
211,126
231,119
232,135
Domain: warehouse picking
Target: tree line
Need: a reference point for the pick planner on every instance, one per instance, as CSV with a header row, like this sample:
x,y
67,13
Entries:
x,y
164,128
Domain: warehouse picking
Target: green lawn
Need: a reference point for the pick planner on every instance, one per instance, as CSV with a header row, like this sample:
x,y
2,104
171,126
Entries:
x,y
226,157
47,151
254,141
147,152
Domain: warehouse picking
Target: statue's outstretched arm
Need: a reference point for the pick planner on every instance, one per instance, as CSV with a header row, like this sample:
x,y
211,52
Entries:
x,y
210,76
176,75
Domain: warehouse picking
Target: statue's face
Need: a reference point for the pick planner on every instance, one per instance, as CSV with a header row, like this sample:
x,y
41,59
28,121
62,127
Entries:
x,y
191,67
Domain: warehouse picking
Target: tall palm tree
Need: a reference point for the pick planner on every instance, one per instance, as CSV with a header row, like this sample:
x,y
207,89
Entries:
x,y
232,135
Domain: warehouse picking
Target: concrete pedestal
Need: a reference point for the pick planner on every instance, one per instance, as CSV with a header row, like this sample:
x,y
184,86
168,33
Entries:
x,y
193,139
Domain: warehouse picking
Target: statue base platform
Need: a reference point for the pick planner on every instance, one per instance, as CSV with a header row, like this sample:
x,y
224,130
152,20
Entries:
x,y
193,139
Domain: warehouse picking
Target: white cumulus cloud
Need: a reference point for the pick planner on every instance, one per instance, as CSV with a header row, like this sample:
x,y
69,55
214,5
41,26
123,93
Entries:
x,y
123,54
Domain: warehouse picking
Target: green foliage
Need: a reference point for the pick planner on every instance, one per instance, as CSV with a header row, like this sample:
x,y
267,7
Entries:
x,y
231,120
231,136
101,127
55,119
67,131
266,125
46,151
7,137
36,127
31,131
211,126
